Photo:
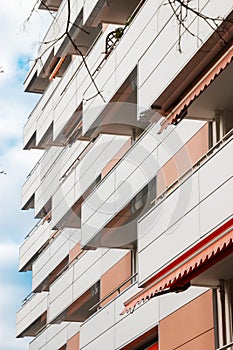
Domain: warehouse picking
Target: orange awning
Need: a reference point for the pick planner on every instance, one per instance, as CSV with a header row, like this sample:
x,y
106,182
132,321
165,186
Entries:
x,y
208,78
57,67
182,271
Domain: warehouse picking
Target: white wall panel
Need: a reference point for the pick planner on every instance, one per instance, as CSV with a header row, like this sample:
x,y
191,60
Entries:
x,y
186,214
37,238
74,282
172,243
98,324
54,336
85,173
216,171
173,61
125,328
104,341
168,211
29,312
50,258
132,173
216,208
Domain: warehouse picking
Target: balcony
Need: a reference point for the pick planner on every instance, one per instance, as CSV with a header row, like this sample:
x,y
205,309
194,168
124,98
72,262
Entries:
x,y
56,44
187,213
115,331
67,200
98,11
45,178
35,241
31,318
61,103
54,336
106,219
181,68
53,259
52,5
152,49
78,288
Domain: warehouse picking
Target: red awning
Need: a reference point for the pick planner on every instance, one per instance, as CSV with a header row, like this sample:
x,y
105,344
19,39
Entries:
x,y
208,78
213,249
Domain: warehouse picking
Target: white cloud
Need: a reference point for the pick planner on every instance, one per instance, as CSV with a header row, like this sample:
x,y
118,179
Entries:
x,y
17,45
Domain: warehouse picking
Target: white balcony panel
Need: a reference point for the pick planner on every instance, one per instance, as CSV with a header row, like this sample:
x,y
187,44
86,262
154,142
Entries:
x,y
39,172
34,242
30,186
168,61
161,218
98,324
54,336
56,162
53,255
72,96
108,79
144,318
80,277
58,26
216,171
132,173
85,173
45,121
191,211
216,208
127,327
104,341
88,7
34,308
172,243
63,95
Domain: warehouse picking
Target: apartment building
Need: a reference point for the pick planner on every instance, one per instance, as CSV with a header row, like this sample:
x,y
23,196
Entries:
x,y
134,190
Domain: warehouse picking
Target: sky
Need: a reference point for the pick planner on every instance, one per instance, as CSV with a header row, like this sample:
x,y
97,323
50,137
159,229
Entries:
x,y
19,44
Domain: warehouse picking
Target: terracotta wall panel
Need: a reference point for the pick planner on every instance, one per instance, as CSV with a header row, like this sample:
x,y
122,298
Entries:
x,y
116,158
73,343
76,250
199,144
188,155
114,277
187,323
203,342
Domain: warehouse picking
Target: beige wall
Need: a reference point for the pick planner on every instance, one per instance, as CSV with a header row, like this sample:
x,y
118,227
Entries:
x,y
189,328
183,159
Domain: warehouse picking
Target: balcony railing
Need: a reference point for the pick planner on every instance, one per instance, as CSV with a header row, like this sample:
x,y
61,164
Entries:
x,y
227,346
197,164
131,279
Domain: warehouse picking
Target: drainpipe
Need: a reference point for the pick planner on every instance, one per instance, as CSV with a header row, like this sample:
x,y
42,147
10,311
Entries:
x,y
223,311
215,315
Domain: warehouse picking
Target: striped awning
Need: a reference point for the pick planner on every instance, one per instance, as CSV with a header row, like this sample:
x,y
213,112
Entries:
x,y
180,110
177,276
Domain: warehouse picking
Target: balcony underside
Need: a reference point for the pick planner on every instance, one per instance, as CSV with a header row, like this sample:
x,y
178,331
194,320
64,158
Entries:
x,y
79,310
52,5
220,271
196,67
113,11
35,327
217,97
119,116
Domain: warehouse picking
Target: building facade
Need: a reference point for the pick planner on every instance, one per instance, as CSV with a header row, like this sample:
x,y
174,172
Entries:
x,y
133,247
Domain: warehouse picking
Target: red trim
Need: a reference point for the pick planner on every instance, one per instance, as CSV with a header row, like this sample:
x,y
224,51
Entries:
x,y
201,86
181,271
190,252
